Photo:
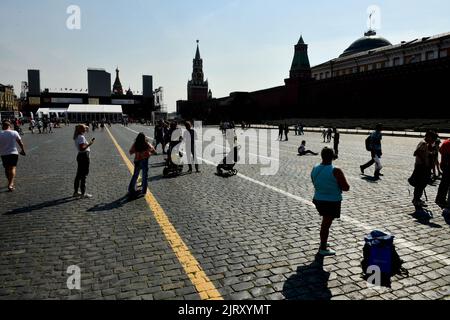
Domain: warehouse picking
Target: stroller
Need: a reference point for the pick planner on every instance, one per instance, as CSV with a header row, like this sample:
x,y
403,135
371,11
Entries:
x,y
173,165
226,168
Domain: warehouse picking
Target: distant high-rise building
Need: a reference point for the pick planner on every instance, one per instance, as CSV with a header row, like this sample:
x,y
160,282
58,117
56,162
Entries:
x,y
99,83
117,88
197,87
147,86
34,82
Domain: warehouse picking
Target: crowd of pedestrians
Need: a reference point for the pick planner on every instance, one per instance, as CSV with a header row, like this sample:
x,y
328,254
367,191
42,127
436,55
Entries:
x,y
329,181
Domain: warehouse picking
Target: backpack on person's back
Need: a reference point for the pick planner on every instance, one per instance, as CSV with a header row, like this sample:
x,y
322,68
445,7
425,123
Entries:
x,y
369,143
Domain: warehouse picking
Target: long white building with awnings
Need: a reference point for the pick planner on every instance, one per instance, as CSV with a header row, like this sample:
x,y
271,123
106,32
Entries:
x,y
89,112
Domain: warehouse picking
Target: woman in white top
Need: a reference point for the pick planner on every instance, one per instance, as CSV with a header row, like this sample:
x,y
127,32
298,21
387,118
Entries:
x,y
83,160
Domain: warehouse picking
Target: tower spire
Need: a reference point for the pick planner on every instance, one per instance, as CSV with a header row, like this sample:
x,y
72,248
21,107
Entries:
x,y
197,87
117,88
197,54
301,67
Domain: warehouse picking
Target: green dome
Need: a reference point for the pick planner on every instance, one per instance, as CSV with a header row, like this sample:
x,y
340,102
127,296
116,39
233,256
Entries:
x,y
370,41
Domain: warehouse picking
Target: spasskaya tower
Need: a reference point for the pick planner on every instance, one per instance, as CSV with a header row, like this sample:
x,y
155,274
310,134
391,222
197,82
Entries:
x,y
198,87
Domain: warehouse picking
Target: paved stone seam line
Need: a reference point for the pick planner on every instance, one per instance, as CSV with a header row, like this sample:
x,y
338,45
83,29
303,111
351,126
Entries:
x,y
192,267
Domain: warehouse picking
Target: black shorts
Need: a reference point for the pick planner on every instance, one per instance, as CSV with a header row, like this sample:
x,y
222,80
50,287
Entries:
x,y
10,160
328,208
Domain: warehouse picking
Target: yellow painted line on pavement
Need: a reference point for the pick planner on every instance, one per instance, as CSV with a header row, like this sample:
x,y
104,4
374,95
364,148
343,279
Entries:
x,y
194,271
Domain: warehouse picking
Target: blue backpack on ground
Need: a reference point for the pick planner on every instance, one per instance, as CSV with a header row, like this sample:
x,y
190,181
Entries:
x,y
379,250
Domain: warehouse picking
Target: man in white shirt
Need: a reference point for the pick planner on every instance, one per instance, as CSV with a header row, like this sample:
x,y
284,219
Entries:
x,y
9,152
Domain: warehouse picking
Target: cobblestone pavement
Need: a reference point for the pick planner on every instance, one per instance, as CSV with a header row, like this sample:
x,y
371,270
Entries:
x,y
254,236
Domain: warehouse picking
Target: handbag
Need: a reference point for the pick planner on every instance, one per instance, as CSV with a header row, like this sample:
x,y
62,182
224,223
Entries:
x,y
413,179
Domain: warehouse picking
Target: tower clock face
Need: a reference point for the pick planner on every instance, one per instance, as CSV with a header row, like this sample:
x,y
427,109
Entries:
x,y
199,75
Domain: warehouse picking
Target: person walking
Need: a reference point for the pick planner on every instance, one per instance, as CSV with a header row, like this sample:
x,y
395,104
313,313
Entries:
x,y
40,125
167,133
32,125
374,146
444,187
329,135
337,139
329,184
45,126
280,132
324,135
142,151
286,131
422,170
159,135
190,137
302,130
436,166
9,152
83,159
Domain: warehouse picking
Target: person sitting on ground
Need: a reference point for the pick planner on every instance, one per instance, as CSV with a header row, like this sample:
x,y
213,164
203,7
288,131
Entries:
x,y
302,150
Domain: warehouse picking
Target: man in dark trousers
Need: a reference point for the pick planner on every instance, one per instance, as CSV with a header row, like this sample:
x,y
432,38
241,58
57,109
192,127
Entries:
x,y
375,151
190,138
159,135
280,132
337,138
286,131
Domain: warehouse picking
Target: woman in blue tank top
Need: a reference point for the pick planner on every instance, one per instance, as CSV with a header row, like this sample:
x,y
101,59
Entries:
x,y
329,183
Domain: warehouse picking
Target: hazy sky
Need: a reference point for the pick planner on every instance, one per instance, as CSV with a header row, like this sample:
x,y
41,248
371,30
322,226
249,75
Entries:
x,y
246,45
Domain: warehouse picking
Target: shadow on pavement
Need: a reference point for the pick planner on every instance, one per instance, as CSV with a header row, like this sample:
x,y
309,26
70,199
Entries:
x,y
158,165
424,217
156,178
310,283
370,179
119,203
47,204
169,177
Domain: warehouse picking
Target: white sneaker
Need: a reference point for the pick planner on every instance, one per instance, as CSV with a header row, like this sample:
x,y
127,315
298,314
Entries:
x,y
327,253
86,196
77,195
